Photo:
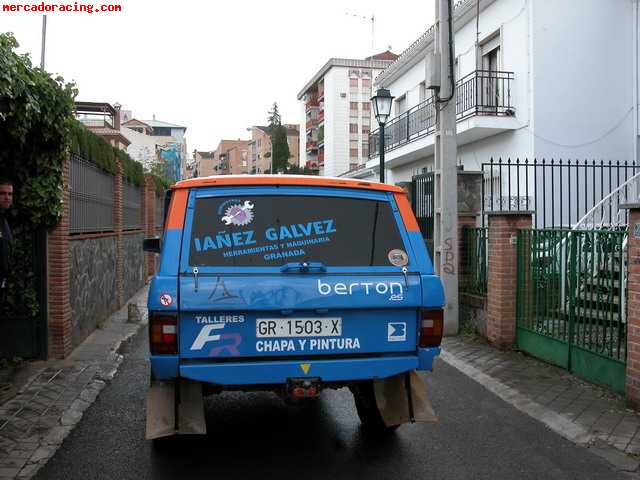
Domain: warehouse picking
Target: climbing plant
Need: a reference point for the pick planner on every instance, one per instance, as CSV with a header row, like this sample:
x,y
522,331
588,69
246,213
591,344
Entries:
x,y
36,118
99,152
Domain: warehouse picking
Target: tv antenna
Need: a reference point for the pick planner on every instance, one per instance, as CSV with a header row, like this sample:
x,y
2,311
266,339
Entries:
x,y
372,19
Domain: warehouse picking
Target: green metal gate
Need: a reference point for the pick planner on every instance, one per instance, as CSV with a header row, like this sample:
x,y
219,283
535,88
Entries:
x,y
571,301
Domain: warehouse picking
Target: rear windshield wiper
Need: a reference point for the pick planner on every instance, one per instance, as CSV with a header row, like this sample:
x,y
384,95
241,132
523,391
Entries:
x,y
303,267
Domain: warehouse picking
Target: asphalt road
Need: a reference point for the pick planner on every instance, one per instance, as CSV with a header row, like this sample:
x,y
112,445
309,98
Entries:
x,y
257,436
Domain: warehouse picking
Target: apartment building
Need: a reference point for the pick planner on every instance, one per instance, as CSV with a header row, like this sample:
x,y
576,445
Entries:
x,y
336,116
230,157
533,80
260,147
199,158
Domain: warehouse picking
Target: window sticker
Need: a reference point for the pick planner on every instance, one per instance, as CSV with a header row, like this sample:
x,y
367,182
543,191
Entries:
x,y
239,214
166,300
398,257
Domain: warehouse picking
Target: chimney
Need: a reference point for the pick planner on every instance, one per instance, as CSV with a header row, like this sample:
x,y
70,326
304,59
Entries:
x,y
116,117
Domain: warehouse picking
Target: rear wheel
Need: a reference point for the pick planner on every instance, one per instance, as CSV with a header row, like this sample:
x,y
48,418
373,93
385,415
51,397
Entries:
x,y
368,411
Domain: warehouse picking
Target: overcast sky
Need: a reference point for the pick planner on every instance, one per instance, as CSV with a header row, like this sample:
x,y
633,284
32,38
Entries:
x,y
213,66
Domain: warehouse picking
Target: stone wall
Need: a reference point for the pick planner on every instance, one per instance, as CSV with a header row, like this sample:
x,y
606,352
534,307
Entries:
x,y
134,264
92,284
473,311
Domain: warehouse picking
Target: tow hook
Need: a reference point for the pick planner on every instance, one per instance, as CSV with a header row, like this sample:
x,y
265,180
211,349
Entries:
x,y
300,388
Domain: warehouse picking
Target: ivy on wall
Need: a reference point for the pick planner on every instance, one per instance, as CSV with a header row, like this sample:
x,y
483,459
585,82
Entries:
x,y
162,184
99,152
36,115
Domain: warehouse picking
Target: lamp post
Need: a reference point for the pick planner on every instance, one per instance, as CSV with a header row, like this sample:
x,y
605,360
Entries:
x,y
381,102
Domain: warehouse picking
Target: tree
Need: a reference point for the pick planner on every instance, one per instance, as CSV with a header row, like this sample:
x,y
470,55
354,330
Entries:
x,y
279,145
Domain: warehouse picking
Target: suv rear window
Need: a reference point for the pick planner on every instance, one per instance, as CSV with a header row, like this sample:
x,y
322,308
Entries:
x,y
272,230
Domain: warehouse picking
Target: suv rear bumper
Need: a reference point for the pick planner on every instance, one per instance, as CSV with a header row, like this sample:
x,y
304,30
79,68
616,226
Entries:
x,y
277,372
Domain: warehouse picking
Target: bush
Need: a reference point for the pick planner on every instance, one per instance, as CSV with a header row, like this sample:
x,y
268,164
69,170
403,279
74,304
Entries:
x,y
36,119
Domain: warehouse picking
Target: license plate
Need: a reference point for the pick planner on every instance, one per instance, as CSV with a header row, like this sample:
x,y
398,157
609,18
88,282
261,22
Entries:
x,y
298,327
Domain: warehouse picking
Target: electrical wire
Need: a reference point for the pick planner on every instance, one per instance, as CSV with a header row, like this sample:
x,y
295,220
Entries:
x,y
451,60
583,144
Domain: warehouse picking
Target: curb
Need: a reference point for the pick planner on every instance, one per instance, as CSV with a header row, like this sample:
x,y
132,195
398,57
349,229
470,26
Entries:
x,y
50,441
552,420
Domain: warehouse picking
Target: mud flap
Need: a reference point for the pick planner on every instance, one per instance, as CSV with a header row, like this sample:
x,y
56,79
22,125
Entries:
x,y
164,419
191,409
403,399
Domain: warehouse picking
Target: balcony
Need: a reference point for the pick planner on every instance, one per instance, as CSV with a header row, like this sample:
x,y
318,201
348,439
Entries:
x,y
321,159
312,145
321,116
480,94
312,164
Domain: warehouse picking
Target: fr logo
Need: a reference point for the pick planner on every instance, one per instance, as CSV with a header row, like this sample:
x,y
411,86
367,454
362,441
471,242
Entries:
x,y
166,300
229,342
397,331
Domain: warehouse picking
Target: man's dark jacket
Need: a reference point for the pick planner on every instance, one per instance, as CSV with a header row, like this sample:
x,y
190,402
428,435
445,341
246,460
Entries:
x,y
5,248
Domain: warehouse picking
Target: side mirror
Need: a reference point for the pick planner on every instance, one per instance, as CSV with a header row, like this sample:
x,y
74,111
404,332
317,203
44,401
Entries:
x,y
151,245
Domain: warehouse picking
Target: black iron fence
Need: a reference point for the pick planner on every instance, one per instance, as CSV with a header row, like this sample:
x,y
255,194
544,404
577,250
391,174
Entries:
x,y
475,261
482,92
558,192
91,197
422,201
131,207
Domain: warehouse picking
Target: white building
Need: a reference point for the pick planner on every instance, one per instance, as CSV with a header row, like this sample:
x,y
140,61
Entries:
x,y
549,80
336,116
154,140
143,146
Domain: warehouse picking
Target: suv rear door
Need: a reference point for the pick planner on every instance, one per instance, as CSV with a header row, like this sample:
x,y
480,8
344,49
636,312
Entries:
x,y
285,271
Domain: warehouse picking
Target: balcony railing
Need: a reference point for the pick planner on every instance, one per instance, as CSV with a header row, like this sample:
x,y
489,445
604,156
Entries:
x,y
481,92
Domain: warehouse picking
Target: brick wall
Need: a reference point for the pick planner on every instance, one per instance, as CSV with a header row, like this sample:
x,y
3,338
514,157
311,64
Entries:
x,y
501,288
59,308
633,312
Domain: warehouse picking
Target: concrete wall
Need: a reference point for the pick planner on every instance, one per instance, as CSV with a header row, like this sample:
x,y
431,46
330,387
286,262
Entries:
x,y
583,79
92,284
303,135
336,123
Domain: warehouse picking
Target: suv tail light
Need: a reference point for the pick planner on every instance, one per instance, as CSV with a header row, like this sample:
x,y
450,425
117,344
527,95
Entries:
x,y
431,325
163,333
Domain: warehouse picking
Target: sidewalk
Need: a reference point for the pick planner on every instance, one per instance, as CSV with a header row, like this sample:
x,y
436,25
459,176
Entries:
x,y
579,411
46,399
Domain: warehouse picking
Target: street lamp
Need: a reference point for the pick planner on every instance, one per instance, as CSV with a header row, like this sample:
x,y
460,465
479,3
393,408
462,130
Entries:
x,y
381,102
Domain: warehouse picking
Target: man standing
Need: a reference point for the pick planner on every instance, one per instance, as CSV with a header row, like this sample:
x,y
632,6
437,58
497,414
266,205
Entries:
x,y
6,199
